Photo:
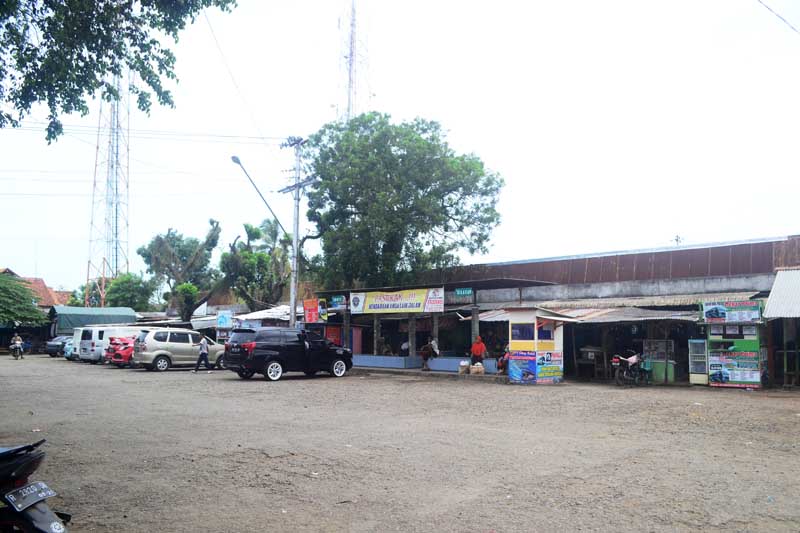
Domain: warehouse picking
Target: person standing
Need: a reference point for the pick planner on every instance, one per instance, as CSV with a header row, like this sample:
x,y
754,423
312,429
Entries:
x,y
478,351
429,351
203,357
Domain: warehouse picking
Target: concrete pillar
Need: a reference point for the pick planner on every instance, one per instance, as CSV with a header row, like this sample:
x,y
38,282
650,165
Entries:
x,y
476,330
412,335
346,329
435,326
376,334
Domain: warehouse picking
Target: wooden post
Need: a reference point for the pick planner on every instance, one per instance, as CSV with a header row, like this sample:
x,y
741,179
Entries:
x,y
604,333
476,328
770,354
376,334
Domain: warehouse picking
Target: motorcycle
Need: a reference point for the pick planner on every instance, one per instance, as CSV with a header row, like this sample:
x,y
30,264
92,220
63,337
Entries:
x,y
22,504
629,370
16,350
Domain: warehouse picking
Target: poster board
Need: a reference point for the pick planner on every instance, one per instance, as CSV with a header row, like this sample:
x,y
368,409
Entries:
x,y
740,312
734,369
530,368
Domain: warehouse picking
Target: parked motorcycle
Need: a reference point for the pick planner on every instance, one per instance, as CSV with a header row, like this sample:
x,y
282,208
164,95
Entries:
x,y
23,505
629,370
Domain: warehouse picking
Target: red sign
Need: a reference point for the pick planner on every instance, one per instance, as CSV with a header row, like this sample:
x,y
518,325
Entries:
x,y
334,334
311,311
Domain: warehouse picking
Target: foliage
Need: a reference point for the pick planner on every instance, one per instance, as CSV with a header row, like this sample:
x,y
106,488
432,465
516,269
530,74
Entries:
x,y
394,199
186,300
177,259
17,303
131,290
60,53
258,269
78,298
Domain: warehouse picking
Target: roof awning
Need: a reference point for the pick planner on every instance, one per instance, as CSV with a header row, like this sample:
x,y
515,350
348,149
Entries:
x,y
784,299
522,315
628,314
673,300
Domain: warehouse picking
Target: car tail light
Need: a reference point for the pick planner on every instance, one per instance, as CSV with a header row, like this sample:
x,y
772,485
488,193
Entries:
x,y
92,344
227,346
615,359
249,347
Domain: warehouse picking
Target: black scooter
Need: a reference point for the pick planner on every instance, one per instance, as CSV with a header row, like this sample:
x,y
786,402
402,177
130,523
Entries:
x,y
22,504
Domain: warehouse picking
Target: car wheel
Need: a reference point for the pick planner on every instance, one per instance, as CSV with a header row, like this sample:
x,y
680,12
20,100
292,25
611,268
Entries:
x,y
220,364
161,363
338,368
94,362
619,377
53,354
310,373
274,371
245,373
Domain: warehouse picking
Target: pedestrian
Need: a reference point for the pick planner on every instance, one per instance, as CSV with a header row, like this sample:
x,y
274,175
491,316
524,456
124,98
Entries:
x,y
478,351
404,349
203,357
502,362
16,346
429,351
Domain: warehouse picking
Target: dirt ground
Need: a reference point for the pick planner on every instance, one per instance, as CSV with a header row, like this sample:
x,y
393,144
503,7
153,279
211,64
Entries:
x,y
130,450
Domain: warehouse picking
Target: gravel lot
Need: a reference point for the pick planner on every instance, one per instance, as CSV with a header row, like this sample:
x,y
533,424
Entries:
x,y
130,450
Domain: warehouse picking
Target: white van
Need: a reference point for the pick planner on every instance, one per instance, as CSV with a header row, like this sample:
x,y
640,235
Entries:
x,y
94,340
76,344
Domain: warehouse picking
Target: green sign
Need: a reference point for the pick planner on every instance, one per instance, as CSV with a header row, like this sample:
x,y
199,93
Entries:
x,y
464,291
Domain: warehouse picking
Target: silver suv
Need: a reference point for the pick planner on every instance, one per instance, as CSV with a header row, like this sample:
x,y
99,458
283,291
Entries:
x,y
162,348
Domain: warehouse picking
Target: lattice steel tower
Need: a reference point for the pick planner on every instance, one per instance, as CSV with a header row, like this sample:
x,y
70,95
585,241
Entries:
x,y
108,227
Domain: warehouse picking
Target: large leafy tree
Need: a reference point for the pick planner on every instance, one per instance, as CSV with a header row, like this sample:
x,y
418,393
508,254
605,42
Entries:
x,y
393,199
185,297
176,259
258,269
17,303
78,297
131,290
62,52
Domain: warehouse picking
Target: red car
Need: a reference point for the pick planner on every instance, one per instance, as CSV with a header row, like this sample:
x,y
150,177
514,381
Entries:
x,y
119,351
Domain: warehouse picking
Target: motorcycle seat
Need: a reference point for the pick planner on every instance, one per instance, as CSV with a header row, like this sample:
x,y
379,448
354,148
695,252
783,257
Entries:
x,y
13,450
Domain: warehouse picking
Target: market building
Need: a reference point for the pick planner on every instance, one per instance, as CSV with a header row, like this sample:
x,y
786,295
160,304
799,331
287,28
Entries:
x,y
654,302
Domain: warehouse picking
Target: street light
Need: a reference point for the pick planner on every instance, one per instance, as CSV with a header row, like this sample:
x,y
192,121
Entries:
x,y
293,299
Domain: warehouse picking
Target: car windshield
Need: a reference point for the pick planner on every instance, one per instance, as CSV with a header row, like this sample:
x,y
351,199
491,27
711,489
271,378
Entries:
x,y
243,336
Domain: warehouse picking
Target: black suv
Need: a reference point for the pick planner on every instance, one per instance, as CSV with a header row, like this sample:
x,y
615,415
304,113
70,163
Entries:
x,y
273,351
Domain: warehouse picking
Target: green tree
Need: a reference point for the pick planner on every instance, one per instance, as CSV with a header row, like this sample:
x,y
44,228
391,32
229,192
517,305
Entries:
x,y
61,53
176,259
131,290
186,299
258,269
17,303
78,297
394,199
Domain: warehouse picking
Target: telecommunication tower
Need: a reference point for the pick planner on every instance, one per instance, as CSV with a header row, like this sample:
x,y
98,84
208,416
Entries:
x,y
108,226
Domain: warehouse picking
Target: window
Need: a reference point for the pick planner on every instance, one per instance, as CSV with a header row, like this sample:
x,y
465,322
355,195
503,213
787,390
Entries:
x,y
160,336
241,336
314,336
182,338
86,335
521,332
269,335
545,334
100,334
195,338
142,336
292,337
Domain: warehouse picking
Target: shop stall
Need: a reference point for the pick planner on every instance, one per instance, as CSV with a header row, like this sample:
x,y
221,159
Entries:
x,y
536,346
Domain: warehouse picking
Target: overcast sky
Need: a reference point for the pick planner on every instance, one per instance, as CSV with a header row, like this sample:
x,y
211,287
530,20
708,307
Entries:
x,y
616,125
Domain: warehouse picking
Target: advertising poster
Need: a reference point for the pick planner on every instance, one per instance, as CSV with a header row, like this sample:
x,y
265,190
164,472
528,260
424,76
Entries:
x,y
338,303
522,367
734,369
224,319
407,301
549,367
731,312
322,310
311,311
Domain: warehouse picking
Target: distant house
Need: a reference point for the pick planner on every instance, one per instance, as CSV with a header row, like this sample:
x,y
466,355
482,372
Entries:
x,y
45,297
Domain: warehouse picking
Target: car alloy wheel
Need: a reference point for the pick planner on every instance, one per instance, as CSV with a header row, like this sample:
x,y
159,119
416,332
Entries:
x,y
338,368
274,371
161,363
245,373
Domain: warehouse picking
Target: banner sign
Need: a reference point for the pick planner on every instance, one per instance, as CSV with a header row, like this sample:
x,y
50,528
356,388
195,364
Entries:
x,y
535,367
311,311
734,369
407,301
464,291
731,312
338,303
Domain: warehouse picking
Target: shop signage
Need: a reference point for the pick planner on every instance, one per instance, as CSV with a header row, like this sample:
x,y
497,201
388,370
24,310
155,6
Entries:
x,y
338,303
224,319
407,301
731,312
535,367
315,310
464,291
734,369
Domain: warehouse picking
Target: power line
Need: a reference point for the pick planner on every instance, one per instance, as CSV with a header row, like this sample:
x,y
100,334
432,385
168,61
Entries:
x,y
779,16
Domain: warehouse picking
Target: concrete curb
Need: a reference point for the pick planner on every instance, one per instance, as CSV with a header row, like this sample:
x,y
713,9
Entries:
x,y
486,378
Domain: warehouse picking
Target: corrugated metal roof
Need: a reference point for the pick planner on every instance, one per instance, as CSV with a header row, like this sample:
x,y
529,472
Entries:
x,y
784,299
628,314
645,301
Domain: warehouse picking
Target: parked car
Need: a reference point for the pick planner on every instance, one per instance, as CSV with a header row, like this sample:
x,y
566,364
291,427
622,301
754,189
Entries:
x,y
120,350
69,349
94,340
274,351
74,355
55,346
162,348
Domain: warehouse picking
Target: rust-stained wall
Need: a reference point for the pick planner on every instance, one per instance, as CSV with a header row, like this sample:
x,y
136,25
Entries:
x,y
729,260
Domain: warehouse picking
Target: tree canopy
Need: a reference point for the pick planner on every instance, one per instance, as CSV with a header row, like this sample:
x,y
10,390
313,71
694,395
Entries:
x,y
258,269
61,53
176,259
131,290
17,303
393,199
185,296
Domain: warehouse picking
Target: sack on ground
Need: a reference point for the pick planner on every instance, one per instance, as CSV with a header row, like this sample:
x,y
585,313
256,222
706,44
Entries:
x,y
463,367
477,369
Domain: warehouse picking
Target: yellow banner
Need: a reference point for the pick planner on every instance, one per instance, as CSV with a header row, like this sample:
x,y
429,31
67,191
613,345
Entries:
x,y
407,301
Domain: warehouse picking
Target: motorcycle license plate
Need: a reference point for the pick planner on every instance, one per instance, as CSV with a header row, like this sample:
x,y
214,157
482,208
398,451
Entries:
x,y
24,497
614,364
